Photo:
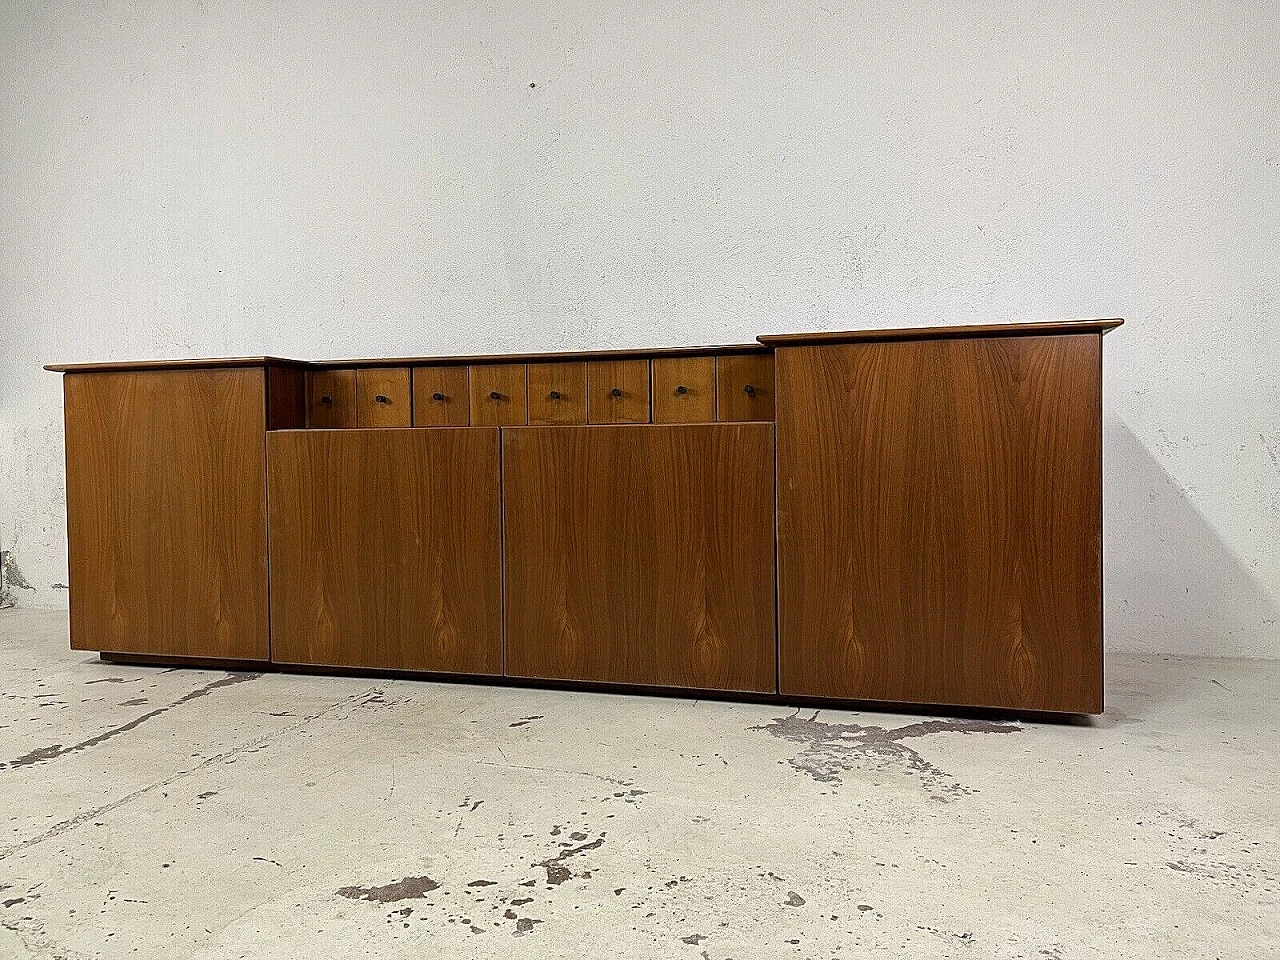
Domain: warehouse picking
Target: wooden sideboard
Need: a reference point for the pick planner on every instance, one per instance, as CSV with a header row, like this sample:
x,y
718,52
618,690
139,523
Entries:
x,y
883,515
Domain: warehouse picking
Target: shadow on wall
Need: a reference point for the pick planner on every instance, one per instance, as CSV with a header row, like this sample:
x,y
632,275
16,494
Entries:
x,y
1170,584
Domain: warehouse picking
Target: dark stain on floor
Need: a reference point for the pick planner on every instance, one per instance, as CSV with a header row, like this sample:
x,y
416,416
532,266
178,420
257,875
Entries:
x,y
557,872
408,888
834,748
43,754
523,721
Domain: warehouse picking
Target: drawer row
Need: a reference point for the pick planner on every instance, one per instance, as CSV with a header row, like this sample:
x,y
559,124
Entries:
x,y
698,389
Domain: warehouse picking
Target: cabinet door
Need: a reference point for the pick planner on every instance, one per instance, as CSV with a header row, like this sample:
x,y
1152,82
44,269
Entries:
x,y
385,548
166,512
939,513
641,554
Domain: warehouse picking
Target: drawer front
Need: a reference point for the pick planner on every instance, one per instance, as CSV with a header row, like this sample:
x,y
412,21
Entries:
x,y
498,395
383,397
618,391
331,399
441,397
744,387
684,389
557,393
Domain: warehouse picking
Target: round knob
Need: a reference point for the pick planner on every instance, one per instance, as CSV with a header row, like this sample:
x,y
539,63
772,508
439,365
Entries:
x,y
326,399
437,397
554,394
749,390
494,395
615,392
682,389
380,398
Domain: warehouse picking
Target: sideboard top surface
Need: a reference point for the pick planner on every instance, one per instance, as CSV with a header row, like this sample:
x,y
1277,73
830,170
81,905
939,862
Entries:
x,y
766,344
1043,329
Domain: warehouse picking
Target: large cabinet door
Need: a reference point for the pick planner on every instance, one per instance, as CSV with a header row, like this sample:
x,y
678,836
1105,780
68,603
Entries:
x,y
939,521
385,548
166,512
641,554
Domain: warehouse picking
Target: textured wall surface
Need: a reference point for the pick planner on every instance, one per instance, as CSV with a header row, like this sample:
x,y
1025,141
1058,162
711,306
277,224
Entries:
x,y
355,177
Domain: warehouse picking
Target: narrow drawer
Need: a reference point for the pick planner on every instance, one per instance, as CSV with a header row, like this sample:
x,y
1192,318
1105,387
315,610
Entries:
x,y
618,391
744,387
331,399
383,397
498,395
441,397
557,393
684,389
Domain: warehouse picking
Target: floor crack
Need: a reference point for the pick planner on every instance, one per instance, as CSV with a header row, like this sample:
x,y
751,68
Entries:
x,y
85,817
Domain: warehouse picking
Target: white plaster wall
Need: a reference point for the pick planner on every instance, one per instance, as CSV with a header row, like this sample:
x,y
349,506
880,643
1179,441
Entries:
x,y
321,179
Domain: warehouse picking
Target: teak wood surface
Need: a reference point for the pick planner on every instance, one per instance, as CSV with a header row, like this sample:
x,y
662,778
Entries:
x,y
618,391
498,396
641,554
744,387
684,389
441,397
166,512
331,399
557,393
384,397
385,549
939,514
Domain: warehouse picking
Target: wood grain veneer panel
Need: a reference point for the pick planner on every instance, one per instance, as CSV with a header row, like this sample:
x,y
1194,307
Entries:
x,y
441,397
641,554
939,514
684,389
618,391
286,398
166,512
498,395
384,397
385,549
557,393
744,387
331,399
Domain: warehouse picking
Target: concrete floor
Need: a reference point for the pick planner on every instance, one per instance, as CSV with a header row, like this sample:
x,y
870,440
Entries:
x,y
156,813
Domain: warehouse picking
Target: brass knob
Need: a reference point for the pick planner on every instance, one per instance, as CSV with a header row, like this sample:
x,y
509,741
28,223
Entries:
x,y
437,397
615,392
682,389
554,394
326,399
749,390
381,398
494,395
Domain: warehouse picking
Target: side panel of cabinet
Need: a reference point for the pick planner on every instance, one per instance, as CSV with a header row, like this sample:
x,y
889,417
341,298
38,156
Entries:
x,y
939,521
385,549
641,554
166,512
